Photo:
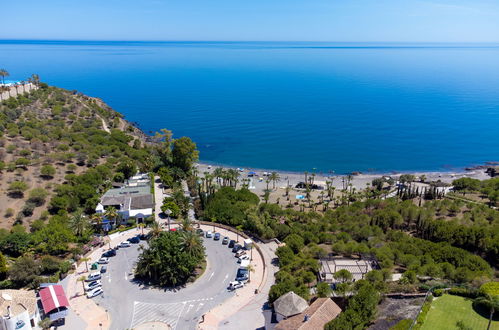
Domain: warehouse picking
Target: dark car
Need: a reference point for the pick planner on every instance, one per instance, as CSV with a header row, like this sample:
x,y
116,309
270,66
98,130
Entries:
x,y
232,243
225,241
217,237
200,232
142,237
103,269
134,240
110,253
242,274
236,248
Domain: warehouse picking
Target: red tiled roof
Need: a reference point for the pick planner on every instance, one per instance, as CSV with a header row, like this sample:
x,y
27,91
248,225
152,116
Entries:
x,y
319,313
53,297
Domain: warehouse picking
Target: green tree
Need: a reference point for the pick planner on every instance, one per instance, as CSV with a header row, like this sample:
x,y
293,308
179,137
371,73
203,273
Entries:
x,y
343,276
17,188
323,290
24,271
295,242
79,223
38,196
184,153
47,171
168,261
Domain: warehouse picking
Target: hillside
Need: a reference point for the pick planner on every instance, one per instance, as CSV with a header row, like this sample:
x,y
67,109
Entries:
x,y
52,136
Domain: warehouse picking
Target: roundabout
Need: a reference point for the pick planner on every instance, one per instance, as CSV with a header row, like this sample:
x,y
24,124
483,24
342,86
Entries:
x,y
131,304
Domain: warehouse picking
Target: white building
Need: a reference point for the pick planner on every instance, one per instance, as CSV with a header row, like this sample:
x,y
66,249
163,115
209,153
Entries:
x,y
18,310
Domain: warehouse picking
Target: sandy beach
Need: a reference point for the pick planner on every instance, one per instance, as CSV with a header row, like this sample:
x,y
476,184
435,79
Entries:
x,y
258,184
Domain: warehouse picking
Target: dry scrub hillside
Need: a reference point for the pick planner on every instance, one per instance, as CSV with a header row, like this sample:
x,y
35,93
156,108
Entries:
x,y
49,137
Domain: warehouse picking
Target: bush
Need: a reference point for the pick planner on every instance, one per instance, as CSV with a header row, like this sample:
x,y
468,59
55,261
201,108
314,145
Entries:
x,y
9,212
423,313
463,292
438,292
402,325
28,209
490,288
38,196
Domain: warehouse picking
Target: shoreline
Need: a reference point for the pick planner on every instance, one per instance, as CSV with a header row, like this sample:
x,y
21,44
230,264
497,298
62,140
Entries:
x,y
359,181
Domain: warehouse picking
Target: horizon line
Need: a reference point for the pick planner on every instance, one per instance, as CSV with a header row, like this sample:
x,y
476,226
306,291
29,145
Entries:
x,y
245,41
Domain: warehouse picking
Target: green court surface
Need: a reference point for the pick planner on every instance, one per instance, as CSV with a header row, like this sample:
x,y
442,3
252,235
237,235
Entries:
x,y
447,310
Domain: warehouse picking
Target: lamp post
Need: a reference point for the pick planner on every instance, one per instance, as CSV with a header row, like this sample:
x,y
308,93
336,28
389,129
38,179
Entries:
x,y
168,212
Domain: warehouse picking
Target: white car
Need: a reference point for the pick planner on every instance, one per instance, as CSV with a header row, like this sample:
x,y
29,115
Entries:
x,y
93,277
124,244
235,285
92,285
209,234
103,260
243,257
95,292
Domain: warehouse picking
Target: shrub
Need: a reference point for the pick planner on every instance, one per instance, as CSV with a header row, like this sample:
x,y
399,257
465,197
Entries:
x,y
438,292
490,288
47,171
37,196
28,209
9,212
402,325
463,292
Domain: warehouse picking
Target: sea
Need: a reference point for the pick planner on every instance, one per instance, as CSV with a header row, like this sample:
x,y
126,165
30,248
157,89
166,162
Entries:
x,y
293,106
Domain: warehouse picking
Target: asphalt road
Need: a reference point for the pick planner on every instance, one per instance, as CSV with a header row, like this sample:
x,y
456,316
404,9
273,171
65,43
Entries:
x,y
131,304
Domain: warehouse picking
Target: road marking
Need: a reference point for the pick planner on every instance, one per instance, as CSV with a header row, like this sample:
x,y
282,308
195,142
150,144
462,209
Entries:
x,y
189,308
126,277
199,307
211,275
226,277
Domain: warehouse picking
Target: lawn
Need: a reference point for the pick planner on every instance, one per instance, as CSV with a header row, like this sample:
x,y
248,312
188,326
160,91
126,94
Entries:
x,y
446,310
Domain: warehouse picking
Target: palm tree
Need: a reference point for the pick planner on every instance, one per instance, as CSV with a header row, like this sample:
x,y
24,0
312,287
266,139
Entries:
x,y
250,269
274,177
187,224
4,73
192,243
111,213
491,302
155,229
86,260
78,223
82,280
35,79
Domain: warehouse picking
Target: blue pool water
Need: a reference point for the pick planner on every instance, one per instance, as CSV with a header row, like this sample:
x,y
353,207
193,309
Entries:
x,y
292,106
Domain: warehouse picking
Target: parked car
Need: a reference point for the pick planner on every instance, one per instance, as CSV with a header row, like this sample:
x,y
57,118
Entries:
x,y
225,241
217,237
240,253
236,248
103,260
103,269
209,234
200,232
134,240
242,275
232,243
92,285
243,257
235,285
93,277
142,237
124,244
95,293
109,253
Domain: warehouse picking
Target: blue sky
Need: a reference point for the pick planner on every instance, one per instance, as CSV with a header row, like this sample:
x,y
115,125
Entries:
x,y
286,20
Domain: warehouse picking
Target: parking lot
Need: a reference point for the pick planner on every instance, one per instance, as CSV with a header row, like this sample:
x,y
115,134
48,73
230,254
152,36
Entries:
x,y
130,303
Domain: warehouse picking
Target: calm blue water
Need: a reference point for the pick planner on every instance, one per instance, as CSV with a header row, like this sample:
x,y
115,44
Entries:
x,y
292,106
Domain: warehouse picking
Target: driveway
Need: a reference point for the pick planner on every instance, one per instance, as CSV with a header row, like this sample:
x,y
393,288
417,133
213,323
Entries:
x,y
131,304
